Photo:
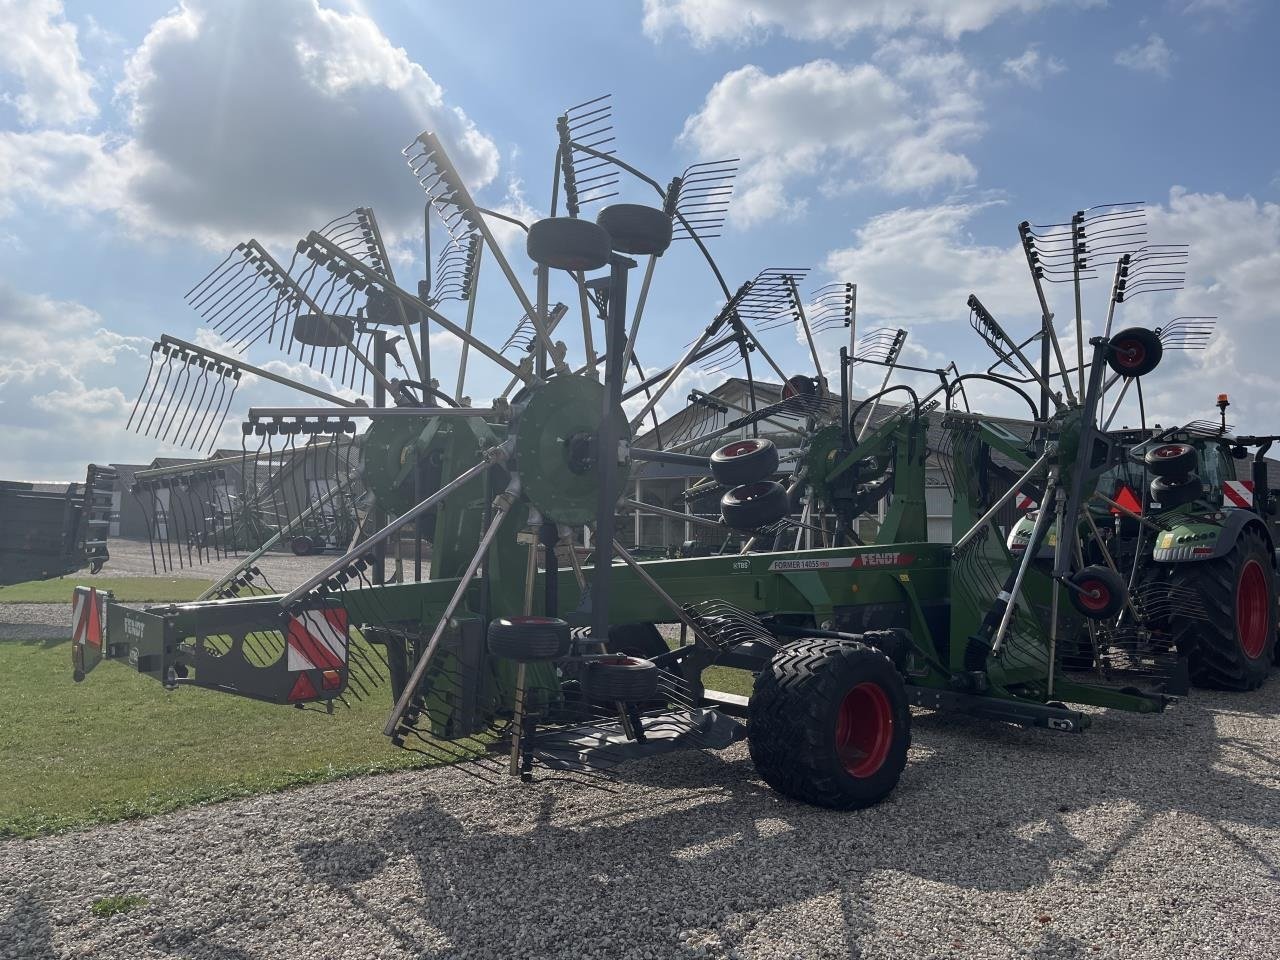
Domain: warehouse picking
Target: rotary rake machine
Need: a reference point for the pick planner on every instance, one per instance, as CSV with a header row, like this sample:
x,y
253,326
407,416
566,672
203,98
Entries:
x,y
516,655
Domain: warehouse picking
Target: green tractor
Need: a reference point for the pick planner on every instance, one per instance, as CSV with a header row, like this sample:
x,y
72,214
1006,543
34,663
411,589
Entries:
x,y
1184,518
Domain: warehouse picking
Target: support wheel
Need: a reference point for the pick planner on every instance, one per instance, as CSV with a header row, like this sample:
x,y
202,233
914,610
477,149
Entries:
x,y
1232,647
1169,493
1135,352
1171,460
620,678
529,638
636,229
565,243
754,505
828,724
1099,593
744,461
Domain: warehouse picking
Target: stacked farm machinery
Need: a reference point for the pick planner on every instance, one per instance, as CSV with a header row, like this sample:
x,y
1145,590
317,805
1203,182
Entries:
x,y
519,654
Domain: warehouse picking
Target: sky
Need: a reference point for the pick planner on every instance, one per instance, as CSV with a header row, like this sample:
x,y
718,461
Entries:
x,y
896,144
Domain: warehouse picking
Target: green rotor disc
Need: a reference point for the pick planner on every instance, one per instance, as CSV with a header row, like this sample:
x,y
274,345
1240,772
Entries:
x,y
555,447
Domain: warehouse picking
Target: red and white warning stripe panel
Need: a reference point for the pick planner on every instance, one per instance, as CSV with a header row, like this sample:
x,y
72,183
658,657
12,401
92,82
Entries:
x,y
318,640
1026,503
86,617
1237,493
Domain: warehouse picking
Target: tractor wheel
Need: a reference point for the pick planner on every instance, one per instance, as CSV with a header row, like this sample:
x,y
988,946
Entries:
x,y
1171,460
1135,352
636,640
1170,493
1100,594
754,505
1232,647
828,724
529,638
636,229
566,243
744,461
324,330
620,678
302,546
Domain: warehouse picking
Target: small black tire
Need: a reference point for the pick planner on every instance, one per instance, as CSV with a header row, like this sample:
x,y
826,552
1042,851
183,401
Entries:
x,y
1171,460
323,330
620,679
636,640
801,386
302,546
1232,646
636,229
754,505
828,724
1100,592
1169,492
527,639
1135,352
567,243
744,461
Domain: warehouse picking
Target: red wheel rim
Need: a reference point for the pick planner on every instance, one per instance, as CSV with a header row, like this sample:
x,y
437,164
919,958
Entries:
x,y
1095,594
533,620
739,449
1251,609
864,729
1130,353
619,660
1168,451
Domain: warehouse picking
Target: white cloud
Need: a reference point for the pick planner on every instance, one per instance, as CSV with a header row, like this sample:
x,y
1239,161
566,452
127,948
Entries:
x,y
895,126
1031,67
1154,56
919,264
255,119
916,267
1234,274
41,52
708,21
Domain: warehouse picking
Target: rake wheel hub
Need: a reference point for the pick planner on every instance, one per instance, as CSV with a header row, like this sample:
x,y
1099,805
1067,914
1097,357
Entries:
x,y
555,429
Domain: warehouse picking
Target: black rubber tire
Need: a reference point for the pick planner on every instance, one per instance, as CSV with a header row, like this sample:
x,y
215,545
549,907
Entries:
x,y
1171,460
1135,352
636,640
323,330
1106,592
1216,645
620,678
744,461
529,638
800,386
566,243
1170,493
799,715
636,229
754,505
302,546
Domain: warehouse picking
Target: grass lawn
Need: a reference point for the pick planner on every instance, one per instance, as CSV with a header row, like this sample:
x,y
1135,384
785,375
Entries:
x,y
126,589
118,746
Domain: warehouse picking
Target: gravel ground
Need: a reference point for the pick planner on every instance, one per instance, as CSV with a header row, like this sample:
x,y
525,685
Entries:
x,y
1145,837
